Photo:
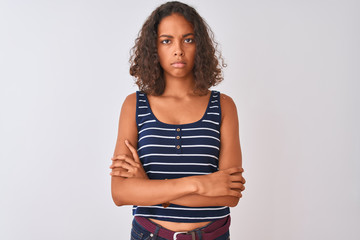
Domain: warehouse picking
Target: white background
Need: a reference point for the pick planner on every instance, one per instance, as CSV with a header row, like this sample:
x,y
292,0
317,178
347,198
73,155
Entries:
x,y
293,72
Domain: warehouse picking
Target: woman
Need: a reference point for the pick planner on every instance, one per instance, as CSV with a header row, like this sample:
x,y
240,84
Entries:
x,y
177,158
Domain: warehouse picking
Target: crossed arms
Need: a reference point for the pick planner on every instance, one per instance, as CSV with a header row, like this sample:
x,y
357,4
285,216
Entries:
x,y
131,186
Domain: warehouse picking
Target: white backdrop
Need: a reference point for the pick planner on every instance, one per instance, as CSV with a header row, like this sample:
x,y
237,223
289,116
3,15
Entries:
x,y
293,72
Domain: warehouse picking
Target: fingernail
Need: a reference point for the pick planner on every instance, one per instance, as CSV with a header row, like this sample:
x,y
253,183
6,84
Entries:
x,y
126,141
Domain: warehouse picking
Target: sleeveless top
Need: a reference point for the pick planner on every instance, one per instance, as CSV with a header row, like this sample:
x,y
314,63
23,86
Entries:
x,y
169,151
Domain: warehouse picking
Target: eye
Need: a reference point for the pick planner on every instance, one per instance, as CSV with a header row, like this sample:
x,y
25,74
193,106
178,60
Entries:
x,y
189,40
166,41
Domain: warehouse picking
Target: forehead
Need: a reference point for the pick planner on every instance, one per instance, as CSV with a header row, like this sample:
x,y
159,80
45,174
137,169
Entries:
x,y
175,24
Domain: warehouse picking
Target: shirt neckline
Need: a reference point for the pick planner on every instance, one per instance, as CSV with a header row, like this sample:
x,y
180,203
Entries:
x,y
186,124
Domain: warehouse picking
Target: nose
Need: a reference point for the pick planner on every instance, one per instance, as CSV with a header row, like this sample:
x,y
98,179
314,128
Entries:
x,y
178,51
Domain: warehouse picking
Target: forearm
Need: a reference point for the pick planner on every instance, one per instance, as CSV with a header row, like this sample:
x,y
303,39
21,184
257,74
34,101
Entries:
x,y
210,189
196,200
136,191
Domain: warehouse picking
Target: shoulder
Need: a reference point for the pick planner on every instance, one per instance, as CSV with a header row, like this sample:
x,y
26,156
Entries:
x,y
130,102
225,99
228,107
130,99
128,109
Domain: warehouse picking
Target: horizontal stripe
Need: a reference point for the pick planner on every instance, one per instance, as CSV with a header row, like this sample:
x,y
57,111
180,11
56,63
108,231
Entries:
x,y
178,155
210,146
210,121
201,128
155,136
189,208
143,107
156,128
161,172
140,124
177,217
215,95
180,164
213,113
159,136
142,100
156,145
143,115
201,136
214,107
214,101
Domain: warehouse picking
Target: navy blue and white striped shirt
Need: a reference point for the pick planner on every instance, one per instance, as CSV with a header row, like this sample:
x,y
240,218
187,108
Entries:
x,y
169,151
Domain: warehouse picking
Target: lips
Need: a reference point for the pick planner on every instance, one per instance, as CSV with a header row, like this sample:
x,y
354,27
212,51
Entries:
x,y
179,64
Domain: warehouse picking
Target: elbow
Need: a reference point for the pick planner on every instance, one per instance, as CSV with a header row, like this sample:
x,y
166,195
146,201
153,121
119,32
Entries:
x,y
233,202
117,200
118,204
116,194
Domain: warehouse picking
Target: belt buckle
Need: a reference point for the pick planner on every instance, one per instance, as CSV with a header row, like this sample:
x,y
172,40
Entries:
x,y
177,233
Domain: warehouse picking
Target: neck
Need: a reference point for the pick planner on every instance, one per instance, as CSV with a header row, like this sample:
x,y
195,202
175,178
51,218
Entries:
x,y
179,86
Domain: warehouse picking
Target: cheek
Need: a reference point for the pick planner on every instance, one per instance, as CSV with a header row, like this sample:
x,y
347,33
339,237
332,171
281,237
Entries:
x,y
192,54
161,54
162,58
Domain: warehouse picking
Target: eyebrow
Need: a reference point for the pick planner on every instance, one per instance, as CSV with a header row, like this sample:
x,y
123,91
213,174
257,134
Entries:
x,y
169,36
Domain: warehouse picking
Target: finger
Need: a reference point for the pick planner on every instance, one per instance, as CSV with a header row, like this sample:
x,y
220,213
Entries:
x,y
237,178
132,162
122,164
133,151
119,157
125,158
237,169
116,163
235,193
237,185
119,169
234,170
128,163
115,173
240,179
243,180
121,174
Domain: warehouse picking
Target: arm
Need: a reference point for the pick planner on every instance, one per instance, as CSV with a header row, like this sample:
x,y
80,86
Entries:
x,y
141,191
230,156
126,191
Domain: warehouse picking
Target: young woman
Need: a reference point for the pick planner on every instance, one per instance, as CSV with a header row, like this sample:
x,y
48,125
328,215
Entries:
x,y
177,158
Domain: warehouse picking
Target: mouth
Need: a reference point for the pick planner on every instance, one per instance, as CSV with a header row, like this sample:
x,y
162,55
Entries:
x,y
179,64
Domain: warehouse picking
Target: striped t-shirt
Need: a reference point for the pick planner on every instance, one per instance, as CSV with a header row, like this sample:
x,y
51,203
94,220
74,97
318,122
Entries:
x,y
169,151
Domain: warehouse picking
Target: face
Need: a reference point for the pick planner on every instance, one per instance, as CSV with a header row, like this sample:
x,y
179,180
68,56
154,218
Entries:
x,y
176,46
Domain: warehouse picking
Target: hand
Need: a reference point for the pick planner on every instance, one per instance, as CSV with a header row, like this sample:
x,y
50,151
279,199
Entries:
x,y
227,182
126,166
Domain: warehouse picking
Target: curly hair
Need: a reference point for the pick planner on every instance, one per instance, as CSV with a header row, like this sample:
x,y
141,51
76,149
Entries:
x,y
144,60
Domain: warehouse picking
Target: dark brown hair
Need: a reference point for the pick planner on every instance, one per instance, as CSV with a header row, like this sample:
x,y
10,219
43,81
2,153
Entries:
x,y
144,60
